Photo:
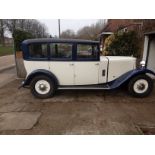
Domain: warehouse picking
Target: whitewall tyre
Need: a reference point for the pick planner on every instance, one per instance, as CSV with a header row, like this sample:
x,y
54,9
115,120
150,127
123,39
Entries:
x,y
140,86
43,87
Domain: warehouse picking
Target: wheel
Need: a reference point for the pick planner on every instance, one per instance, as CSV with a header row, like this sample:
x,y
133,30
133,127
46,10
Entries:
x,y
140,86
43,87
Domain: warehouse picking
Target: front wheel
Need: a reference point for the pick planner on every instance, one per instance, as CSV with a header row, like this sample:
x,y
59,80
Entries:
x,y
140,86
43,87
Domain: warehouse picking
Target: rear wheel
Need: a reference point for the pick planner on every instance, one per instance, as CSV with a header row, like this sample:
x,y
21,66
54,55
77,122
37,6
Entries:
x,y
43,87
140,86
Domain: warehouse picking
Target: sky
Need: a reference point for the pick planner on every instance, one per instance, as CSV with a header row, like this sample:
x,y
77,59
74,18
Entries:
x,y
74,24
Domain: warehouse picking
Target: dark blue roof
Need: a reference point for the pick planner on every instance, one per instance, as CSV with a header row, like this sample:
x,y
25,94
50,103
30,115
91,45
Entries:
x,y
45,40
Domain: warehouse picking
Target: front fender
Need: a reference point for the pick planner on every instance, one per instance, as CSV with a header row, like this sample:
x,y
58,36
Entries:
x,y
38,72
127,76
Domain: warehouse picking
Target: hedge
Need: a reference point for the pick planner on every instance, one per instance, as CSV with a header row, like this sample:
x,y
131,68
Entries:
x,y
123,44
19,36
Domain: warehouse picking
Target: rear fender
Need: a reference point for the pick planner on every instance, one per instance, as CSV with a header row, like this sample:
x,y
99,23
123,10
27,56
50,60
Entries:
x,y
127,76
38,72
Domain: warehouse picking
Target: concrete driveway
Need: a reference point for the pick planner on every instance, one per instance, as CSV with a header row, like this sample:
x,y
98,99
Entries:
x,y
75,112
7,62
7,76
7,69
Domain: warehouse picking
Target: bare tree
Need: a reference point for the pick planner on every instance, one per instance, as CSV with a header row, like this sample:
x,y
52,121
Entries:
x,y
92,31
36,28
68,34
2,29
11,24
88,32
33,26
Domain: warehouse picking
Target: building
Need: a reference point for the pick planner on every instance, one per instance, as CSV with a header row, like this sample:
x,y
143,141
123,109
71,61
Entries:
x,y
149,50
146,31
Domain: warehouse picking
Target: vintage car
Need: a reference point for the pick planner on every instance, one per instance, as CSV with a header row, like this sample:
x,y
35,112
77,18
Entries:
x,y
53,64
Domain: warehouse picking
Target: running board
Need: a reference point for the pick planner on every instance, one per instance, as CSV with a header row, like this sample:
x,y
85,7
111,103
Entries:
x,y
84,87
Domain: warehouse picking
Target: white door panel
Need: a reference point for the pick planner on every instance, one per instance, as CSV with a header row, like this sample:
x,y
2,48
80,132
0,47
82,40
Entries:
x,y
86,73
64,71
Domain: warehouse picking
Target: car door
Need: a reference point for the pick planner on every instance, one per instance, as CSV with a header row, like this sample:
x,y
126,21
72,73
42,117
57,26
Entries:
x,y
86,64
61,64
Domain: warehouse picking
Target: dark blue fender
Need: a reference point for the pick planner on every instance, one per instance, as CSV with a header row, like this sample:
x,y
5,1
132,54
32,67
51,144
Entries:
x,y
127,76
38,72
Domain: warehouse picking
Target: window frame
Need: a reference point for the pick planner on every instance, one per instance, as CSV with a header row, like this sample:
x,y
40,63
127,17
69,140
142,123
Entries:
x,y
26,55
61,59
87,59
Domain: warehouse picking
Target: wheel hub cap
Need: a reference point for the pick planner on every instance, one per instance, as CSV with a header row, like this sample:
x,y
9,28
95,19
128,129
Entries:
x,y
42,87
141,86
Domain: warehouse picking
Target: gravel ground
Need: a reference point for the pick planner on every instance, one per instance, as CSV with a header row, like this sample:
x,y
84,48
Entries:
x,y
80,112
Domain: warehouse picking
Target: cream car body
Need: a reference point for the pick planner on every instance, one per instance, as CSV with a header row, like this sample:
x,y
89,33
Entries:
x,y
85,72
53,64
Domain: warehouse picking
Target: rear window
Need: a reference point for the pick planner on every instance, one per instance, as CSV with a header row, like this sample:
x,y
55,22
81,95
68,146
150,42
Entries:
x,y
38,51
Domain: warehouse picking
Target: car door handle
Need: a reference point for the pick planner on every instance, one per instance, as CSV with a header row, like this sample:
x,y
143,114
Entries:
x,y
71,64
103,72
97,64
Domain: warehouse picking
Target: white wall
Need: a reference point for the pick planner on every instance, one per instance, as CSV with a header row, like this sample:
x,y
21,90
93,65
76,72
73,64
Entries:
x,y
151,57
146,41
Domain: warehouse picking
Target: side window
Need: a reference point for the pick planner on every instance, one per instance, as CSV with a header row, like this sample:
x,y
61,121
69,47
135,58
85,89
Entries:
x,y
61,51
38,50
85,51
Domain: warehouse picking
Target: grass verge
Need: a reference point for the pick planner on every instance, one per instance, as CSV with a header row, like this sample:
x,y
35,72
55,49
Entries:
x,y
6,50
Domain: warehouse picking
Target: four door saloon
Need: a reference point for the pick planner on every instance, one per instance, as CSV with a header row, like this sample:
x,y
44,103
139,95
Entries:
x,y
53,64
